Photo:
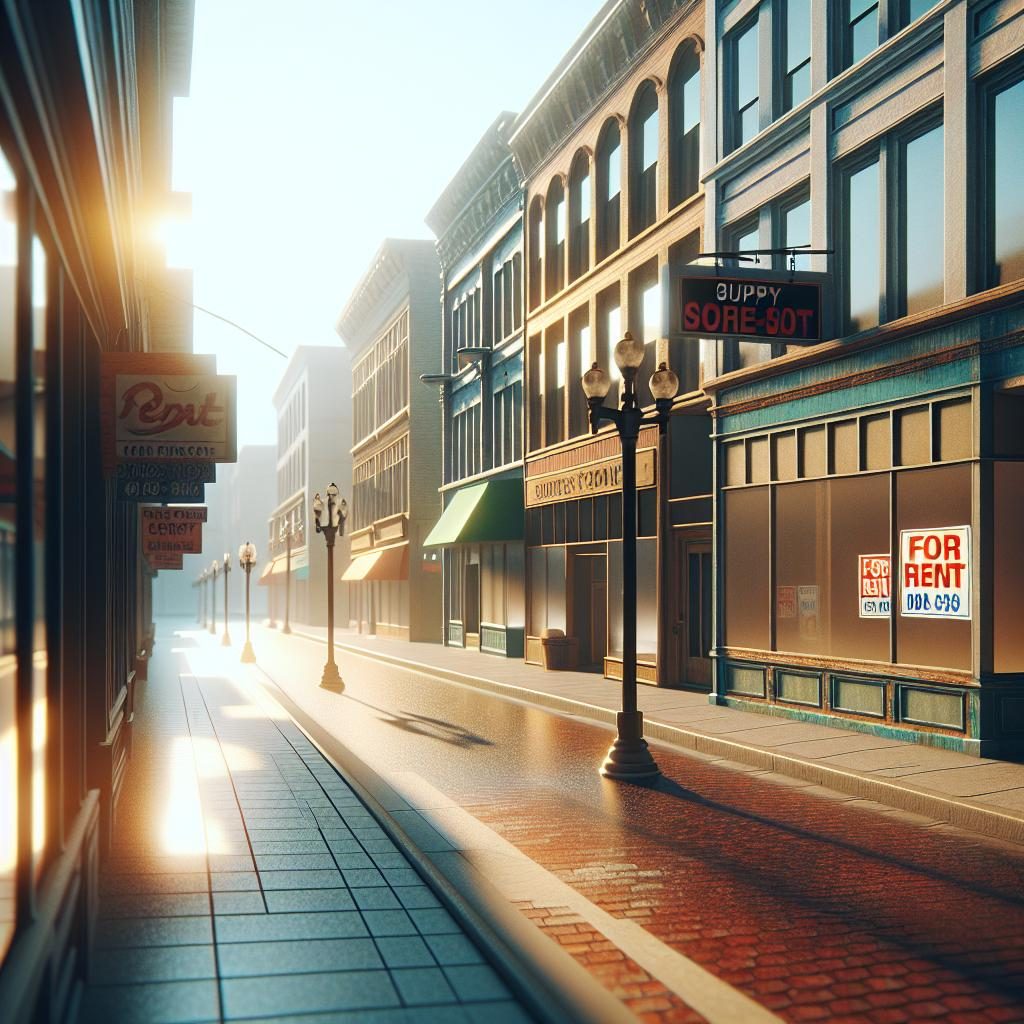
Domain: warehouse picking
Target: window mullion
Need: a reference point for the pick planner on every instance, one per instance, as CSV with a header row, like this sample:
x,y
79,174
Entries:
x,y
888,222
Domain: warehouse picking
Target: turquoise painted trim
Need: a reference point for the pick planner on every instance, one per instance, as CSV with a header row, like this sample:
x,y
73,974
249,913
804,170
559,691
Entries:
x,y
884,730
969,370
302,573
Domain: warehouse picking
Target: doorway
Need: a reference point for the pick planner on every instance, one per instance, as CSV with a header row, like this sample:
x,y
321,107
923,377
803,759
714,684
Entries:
x,y
692,627
471,604
590,608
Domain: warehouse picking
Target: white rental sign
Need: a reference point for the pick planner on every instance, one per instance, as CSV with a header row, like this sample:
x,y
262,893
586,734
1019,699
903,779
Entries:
x,y
935,573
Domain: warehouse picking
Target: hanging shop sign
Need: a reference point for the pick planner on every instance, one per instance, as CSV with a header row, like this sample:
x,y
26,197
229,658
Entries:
x,y
164,481
935,573
162,407
165,560
772,307
168,530
601,477
873,577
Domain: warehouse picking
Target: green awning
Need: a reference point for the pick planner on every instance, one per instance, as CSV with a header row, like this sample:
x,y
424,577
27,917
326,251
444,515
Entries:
x,y
481,513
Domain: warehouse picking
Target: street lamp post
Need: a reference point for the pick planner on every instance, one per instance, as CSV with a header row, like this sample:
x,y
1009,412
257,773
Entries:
x,y
286,536
629,756
214,573
200,584
247,559
225,640
337,513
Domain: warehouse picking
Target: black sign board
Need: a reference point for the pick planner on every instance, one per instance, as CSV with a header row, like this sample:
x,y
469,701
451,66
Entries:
x,y
164,481
773,307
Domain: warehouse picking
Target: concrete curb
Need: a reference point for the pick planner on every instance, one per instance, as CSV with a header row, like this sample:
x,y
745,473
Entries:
x,y
965,814
548,981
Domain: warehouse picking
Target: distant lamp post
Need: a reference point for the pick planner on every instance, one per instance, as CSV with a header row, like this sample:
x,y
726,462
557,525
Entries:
x,y
337,513
200,585
629,757
247,559
286,534
225,640
214,573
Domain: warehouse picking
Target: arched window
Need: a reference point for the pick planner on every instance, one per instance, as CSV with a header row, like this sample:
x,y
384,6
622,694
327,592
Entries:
x,y
579,216
643,152
536,255
555,237
684,119
609,187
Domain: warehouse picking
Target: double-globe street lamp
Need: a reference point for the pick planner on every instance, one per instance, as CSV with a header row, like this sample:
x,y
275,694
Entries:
x,y
214,573
629,758
247,559
337,513
225,640
286,533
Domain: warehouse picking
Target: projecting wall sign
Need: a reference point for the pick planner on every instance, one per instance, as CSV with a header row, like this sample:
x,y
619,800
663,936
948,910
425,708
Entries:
x,y
772,307
601,477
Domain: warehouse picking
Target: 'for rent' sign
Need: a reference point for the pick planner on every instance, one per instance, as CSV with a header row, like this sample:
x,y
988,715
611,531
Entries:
x,y
935,573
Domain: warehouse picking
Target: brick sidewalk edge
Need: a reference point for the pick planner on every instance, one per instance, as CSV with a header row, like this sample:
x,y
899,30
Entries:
x,y
904,796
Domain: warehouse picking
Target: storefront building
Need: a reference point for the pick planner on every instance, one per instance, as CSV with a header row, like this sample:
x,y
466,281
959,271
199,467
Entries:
x,y
611,151
392,330
314,434
85,132
479,535
868,489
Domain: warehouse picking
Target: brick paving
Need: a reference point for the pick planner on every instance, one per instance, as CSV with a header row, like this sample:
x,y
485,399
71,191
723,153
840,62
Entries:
x,y
816,909
247,880
647,998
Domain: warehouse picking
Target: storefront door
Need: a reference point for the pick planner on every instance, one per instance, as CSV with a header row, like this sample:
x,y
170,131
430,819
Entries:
x,y
471,604
590,609
692,627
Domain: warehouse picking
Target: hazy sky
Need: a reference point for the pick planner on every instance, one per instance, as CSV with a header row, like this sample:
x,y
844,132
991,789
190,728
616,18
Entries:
x,y
315,129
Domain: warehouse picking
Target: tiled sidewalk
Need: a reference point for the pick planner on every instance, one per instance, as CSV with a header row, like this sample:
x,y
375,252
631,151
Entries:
x,y
248,881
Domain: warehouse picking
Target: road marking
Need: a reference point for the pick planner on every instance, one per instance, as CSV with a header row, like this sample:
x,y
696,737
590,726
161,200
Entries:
x,y
517,877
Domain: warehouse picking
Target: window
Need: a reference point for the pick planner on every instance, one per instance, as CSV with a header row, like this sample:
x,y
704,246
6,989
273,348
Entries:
x,y
684,118
536,385
507,299
645,317
554,390
380,382
555,237
796,40
913,9
466,451
861,30
1002,216
579,216
8,545
643,148
580,360
536,241
507,424
609,333
898,236
742,50
795,229
609,186
380,485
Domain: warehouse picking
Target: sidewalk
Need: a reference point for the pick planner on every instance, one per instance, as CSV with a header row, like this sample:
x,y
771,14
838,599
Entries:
x,y
981,795
247,879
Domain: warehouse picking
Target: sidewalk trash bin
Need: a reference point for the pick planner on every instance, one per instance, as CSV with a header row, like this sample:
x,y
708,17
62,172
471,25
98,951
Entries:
x,y
558,651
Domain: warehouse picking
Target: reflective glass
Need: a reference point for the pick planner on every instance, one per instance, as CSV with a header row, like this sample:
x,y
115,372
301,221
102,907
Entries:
x,y
650,140
747,601
863,29
796,230
39,476
863,255
1007,213
746,67
8,544
613,172
923,205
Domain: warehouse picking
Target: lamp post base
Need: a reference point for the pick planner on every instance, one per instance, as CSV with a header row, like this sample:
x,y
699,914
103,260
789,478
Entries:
x,y
248,656
225,640
628,758
212,631
286,628
331,679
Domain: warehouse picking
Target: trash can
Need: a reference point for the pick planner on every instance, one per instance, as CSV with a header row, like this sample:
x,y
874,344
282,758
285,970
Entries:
x,y
558,651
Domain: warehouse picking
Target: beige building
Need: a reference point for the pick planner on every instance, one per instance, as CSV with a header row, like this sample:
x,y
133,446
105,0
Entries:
x,y
392,328
611,150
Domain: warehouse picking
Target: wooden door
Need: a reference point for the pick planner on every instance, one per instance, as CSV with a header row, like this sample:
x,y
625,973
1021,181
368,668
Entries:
x,y
692,627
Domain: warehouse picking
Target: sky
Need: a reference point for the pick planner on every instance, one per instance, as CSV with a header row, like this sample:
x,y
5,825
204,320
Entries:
x,y
317,128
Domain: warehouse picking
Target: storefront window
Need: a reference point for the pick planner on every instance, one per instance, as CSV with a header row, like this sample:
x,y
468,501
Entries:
x,y
922,241
516,593
39,647
646,599
821,530
1008,569
927,498
547,589
1005,205
8,539
747,601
